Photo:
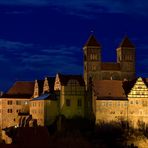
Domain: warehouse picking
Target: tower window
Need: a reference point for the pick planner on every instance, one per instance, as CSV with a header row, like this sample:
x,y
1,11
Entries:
x,y
93,56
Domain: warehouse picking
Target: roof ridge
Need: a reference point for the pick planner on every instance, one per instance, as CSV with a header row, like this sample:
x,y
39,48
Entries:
x,y
126,42
92,41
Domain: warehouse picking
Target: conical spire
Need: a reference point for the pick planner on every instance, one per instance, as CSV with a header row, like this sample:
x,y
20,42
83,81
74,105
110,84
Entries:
x,y
126,43
92,41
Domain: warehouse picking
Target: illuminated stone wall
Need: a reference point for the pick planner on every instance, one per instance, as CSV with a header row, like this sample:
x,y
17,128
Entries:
x,y
138,103
10,110
135,109
111,110
37,111
44,111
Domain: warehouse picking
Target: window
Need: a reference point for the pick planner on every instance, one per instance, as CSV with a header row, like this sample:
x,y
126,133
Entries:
x,y
67,102
93,56
9,110
125,103
79,103
18,110
18,102
118,103
9,102
110,103
131,102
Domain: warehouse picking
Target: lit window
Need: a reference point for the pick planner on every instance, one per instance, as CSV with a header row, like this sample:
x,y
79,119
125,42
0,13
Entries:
x,y
67,102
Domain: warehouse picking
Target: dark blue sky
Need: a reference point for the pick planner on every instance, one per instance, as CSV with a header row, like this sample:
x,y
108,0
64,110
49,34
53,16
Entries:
x,y
39,38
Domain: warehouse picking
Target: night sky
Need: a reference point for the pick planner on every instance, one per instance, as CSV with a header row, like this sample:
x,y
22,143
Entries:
x,y
39,38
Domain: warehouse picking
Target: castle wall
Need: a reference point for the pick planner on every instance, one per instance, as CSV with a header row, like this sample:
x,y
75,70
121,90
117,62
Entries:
x,y
111,110
37,111
138,111
10,110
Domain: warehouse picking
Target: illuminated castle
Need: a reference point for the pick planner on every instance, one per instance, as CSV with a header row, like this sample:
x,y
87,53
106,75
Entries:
x,y
109,91
123,69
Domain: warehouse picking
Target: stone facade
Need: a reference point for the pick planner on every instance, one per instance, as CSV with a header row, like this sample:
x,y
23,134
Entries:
x,y
138,103
62,95
10,110
124,68
15,101
116,102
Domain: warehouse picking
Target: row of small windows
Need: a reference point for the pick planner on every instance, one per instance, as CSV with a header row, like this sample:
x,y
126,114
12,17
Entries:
x,y
10,110
18,102
114,104
144,103
139,93
39,104
130,112
36,111
128,57
136,102
93,56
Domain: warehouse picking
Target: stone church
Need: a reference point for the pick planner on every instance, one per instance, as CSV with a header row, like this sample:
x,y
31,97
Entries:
x,y
123,69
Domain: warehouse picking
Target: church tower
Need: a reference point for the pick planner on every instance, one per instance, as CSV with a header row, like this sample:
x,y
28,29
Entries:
x,y
126,58
92,60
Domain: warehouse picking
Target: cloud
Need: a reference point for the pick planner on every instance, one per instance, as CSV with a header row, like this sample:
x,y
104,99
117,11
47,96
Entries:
x,y
17,12
86,8
24,2
11,45
56,57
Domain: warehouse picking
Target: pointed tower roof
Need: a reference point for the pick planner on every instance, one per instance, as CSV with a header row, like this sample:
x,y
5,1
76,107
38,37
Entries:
x,y
92,41
126,43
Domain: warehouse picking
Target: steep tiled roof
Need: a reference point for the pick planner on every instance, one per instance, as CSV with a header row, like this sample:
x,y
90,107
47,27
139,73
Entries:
x,y
65,78
126,43
110,66
92,42
21,89
111,89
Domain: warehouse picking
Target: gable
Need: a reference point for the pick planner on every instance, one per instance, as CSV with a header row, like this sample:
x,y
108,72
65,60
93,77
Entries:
x,y
139,90
57,84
